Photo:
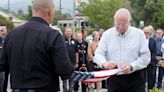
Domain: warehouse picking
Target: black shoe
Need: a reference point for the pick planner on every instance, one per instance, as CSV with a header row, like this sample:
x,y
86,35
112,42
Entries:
x,y
103,86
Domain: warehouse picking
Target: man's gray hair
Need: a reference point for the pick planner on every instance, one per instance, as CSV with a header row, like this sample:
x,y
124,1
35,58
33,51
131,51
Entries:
x,y
123,10
42,5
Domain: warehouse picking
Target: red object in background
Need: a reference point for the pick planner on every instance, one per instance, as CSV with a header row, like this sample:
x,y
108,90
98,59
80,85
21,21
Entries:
x,y
78,1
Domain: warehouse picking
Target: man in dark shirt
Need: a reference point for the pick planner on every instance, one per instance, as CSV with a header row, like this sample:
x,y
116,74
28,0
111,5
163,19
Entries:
x,y
151,68
73,55
2,75
82,47
159,42
35,54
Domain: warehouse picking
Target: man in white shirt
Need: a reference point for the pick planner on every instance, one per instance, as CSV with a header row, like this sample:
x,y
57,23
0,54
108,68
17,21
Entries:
x,y
125,47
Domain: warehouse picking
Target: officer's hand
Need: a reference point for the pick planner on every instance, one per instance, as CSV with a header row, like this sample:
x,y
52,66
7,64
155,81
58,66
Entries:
x,y
126,68
76,66
109,65
158,58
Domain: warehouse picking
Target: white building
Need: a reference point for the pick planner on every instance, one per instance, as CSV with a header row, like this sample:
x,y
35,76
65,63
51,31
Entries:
x,y
9,16
80,20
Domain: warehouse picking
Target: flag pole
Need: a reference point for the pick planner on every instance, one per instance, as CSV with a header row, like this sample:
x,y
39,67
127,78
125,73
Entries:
x,y
74,6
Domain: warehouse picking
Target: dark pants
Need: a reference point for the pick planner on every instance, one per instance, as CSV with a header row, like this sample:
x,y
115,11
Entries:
x,y
160,77
34,90
134,82
49,88
104,85
2,78
5,82
151,76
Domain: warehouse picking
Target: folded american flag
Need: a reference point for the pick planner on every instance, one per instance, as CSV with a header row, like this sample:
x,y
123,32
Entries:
x,y
79,76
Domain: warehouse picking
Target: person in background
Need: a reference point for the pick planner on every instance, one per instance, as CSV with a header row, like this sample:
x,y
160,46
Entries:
x,y
161,62
92,66
159,42
73,55
152,31
35,54
4,33
101,31
2,74
104,82
82,47
151,68
84,34
123,47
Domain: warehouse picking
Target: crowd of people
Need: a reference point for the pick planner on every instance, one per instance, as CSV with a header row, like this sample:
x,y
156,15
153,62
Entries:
x,y
35,55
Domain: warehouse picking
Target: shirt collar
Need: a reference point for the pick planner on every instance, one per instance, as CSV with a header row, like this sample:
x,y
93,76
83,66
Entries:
x,y
122,35
39,19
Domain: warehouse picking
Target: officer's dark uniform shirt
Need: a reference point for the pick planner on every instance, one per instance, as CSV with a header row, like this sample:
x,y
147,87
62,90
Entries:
x,y
35,55
72,49
1,44
82,50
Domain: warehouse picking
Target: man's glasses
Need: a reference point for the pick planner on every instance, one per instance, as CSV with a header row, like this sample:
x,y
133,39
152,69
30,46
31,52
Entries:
x,y
147,32
122,25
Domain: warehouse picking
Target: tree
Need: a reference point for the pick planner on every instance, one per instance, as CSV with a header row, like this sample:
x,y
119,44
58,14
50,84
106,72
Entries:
x,y
101,12
6,22
20,12
58,15
158,19
29,12
148,10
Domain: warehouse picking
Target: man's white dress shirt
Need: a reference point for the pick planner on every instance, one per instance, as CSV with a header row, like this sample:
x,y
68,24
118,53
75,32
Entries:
x,y
128,48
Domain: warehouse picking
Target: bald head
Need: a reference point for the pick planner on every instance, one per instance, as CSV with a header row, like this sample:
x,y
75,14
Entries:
x,y
43,9
122,14
122,20
41,5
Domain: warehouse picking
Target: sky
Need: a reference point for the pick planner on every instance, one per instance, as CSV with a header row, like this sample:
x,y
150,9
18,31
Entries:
x,y
15,5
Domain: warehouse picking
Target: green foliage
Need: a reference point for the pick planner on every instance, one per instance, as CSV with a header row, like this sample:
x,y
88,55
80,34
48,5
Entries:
x,y
29,12
154,90
89,30
6,22
58,15
101,12
158,18
148,10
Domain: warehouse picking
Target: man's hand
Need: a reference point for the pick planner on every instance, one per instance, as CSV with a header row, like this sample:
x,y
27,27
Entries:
x,y
108,65
126,68
161,63
158,58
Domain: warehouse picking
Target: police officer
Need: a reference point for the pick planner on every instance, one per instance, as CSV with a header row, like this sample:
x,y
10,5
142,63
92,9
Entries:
x,y
35,54
73,55
82,47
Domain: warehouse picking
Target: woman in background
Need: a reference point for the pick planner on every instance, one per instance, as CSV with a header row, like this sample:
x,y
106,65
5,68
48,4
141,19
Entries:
x,y
91,51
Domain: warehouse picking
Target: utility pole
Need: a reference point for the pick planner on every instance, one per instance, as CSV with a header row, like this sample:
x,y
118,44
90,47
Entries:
x,y
60,6
8,6
74,10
